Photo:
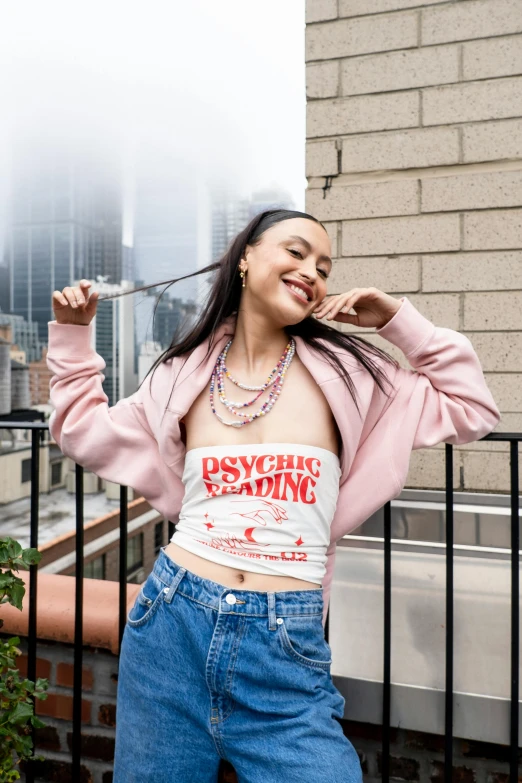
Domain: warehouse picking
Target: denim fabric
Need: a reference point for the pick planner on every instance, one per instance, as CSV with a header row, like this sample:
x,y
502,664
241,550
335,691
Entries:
x,y
209,672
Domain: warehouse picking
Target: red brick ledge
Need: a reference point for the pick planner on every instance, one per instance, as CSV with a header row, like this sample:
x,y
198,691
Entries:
x,y
55,610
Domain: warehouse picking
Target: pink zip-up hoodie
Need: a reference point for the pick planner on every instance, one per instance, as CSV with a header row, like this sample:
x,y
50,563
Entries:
x,y
137,442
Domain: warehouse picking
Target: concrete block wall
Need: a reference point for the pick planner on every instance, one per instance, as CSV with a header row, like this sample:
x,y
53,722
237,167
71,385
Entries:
x,y
414,163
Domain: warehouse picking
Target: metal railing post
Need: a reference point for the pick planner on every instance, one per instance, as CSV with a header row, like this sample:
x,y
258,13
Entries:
x,y
515,612
33,579
448,698
78,630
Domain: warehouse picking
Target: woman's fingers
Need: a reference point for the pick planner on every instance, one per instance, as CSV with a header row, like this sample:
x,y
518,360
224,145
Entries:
x,y
73,305
325,305
84,288
82,292
69,294
78,295
373,307
336,303
345,303
59,299
91,304
336,306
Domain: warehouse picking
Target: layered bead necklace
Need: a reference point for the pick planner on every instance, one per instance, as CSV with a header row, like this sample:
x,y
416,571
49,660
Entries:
x,y
276,378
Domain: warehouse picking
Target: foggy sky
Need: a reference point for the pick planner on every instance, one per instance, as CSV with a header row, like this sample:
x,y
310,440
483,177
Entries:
x,y
219,81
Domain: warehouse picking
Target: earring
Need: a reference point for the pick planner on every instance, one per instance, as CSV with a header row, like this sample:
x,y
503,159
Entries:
x,y
242,275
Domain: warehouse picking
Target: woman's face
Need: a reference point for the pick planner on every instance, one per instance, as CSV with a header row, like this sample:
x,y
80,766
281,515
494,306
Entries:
x,y
293,252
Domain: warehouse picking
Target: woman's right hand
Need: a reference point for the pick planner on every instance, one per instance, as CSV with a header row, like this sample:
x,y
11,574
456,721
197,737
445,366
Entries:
x,y
74,305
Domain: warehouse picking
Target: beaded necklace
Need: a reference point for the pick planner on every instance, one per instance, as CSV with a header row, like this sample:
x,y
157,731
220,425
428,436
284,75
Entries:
x,y
275,379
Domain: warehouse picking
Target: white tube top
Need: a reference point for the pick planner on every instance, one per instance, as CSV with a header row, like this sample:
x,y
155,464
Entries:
x,y
264,507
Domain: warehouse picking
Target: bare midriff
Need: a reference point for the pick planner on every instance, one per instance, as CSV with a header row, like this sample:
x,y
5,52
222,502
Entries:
x,y
302,401
234,577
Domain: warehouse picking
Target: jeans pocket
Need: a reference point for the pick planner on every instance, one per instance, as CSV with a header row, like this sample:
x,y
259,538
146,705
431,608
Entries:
x,y
147,601
302,638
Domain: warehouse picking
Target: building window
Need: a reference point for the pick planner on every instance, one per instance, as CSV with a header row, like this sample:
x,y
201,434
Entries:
x,y
135,558
95,569
158,537
56,473
26,470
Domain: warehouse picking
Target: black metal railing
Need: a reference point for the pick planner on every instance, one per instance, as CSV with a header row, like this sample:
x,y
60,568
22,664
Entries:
x,y
512,438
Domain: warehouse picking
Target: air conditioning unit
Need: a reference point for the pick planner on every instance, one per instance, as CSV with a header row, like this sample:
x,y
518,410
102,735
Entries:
x,y
112,490
91,483
139,576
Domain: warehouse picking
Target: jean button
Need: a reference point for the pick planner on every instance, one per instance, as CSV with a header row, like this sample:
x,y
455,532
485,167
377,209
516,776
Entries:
x,y
230,599
279,620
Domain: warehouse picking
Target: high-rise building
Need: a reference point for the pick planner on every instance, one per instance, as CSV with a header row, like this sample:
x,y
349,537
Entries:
x,y
24,334
108,220
230,214
158,317
166,223
128,263
269,198
64,223
4,287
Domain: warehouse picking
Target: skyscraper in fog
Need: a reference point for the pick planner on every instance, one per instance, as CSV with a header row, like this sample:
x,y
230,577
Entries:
x,y
269,198
4,287
64,223
166,223
230,214
128,263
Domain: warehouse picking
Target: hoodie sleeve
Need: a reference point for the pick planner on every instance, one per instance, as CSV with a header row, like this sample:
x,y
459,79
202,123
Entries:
x,y
443,399
116,443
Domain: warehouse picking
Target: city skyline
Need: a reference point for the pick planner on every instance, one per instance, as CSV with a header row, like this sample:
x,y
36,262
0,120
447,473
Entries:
x,y
147,88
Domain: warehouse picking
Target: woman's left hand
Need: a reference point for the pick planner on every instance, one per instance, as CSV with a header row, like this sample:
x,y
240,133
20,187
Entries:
x,y
372,307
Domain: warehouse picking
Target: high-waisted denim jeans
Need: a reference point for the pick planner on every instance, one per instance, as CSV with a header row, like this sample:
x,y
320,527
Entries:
x,y
208,672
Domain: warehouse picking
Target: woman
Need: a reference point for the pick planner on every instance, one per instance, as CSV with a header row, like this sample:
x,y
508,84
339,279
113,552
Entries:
x,y
269,435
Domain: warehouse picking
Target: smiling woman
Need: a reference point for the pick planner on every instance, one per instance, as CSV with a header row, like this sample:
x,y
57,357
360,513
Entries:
x,y
278,249
275,237
226,641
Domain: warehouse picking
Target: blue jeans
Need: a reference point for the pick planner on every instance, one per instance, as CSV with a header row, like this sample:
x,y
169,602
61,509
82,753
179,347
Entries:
x,y
208,672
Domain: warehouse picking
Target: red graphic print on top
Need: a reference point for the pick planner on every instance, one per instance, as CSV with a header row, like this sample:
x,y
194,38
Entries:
x,y
271,503
261,481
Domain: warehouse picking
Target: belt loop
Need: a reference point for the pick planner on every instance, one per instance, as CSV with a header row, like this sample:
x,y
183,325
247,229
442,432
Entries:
x,y
174,584
271,611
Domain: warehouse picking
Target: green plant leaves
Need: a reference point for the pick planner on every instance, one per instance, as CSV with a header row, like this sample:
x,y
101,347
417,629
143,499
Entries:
x,y
16,695
22,712
17,594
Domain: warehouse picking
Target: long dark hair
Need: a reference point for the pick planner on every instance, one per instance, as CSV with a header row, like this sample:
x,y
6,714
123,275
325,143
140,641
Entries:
x,y
224,297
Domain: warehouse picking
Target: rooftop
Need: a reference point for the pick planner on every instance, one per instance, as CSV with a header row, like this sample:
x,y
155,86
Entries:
x,y
57,515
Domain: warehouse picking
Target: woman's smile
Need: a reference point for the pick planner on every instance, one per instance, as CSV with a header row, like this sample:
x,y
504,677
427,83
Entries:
x,y
298,293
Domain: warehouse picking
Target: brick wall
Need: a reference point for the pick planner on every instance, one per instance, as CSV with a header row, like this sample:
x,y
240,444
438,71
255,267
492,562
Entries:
x,y
415,756
414,162
100,678
55,661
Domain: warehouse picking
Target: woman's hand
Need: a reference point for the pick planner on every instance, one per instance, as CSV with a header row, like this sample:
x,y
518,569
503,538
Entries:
x,y
372,307
74,305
